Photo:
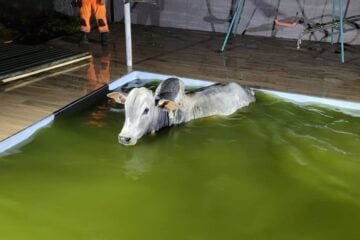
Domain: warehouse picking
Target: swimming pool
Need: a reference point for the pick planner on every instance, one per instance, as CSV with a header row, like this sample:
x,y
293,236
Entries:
x,y
273,170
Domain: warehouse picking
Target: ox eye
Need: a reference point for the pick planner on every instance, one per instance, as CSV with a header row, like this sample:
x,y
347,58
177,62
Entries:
x,y
146,111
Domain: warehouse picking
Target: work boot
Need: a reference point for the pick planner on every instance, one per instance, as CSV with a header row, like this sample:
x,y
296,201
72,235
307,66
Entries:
x,y
104,38
83,38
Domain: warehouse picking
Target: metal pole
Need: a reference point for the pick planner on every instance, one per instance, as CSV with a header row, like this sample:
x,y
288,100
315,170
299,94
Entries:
x,y
342,31
333,19
127,20
231,25
239,18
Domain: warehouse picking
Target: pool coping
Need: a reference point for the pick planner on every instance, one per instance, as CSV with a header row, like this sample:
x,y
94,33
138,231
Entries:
x,y
346,107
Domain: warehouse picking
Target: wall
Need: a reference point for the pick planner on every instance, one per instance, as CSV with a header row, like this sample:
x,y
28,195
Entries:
x,y
24,8
257,18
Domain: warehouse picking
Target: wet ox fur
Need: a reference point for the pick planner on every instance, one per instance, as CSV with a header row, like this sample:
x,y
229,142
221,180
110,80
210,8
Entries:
x,y
147,112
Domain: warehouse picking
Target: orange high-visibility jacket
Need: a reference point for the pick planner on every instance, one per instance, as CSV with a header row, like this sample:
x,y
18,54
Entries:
x,y
99,9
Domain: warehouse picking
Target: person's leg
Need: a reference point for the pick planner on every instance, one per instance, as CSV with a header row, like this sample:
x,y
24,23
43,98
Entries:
x,y
85,14
100,15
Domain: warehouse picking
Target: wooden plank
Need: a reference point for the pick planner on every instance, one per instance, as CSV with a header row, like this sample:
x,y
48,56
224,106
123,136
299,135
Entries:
x,y
43,68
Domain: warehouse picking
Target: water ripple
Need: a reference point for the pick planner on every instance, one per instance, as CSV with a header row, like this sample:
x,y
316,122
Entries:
x,y
327,145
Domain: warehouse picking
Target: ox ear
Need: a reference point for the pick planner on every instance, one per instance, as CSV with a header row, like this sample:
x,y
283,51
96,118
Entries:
x,y
168,105
117,97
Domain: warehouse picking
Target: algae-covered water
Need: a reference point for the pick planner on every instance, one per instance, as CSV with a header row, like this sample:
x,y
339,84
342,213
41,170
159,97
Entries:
x,y
273,170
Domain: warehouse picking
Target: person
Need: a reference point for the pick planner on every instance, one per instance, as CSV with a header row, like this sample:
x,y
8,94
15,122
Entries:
x,y
86,8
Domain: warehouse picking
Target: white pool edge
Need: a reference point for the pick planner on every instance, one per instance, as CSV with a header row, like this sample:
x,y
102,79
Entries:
x,y
347,107
151,76
25,134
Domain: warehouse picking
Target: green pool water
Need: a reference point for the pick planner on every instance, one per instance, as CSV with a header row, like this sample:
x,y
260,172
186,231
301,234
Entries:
x,y
273,170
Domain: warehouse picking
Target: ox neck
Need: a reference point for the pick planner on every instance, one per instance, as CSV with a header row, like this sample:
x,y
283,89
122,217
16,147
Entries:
x,y
160,120
186,108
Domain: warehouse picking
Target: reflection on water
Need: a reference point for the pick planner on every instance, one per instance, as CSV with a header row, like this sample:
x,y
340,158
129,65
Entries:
x,y
97,117
273,170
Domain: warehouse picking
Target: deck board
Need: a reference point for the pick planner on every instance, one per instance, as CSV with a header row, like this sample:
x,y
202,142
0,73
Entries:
x,y
18,61
254,61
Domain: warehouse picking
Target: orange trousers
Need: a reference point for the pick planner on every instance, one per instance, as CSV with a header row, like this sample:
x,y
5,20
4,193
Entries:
x,y
100,14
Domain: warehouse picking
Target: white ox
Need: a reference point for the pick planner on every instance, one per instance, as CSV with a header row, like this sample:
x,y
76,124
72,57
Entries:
x,y
147,112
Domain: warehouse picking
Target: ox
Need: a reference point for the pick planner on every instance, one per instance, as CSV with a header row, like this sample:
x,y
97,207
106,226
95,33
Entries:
x,y
147,112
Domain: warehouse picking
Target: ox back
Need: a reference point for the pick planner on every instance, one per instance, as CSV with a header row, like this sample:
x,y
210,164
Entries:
x,y
218,99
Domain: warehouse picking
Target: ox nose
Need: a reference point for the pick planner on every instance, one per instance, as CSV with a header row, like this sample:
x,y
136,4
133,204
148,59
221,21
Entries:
x,y
124,140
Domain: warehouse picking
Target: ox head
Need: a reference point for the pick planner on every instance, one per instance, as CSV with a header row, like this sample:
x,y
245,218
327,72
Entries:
x,y
140,111
142,108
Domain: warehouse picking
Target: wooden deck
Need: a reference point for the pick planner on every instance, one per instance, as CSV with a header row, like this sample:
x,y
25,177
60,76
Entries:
x,y
254,61
19,61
